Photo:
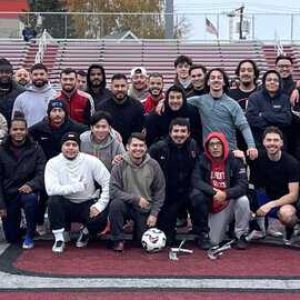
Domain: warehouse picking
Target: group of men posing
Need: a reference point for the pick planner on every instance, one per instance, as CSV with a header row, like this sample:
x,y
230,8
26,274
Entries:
x,y
103,156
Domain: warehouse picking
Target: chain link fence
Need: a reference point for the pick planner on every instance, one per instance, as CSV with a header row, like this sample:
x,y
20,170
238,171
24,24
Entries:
x,y
65,25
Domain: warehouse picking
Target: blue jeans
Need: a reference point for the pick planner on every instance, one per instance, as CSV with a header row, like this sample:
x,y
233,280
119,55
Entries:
x,y
11,224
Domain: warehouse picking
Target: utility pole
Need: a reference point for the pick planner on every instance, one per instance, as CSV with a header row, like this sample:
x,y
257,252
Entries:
x,y
169,18
241,9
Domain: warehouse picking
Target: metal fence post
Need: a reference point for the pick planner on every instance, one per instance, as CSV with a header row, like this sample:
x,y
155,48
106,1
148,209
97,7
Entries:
x,y
66,25
292,27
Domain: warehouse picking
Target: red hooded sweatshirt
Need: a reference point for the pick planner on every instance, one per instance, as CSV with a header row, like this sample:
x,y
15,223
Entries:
x,y
150,104
218,169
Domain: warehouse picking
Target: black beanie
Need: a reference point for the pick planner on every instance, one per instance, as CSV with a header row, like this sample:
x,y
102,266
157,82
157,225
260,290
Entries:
x,y
70,136
57,103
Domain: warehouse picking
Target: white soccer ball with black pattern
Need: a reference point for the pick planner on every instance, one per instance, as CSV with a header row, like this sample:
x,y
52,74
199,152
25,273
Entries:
x,y
154,240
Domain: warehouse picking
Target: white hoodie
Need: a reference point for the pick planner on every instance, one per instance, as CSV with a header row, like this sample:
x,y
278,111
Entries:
x,y
33,103
75,179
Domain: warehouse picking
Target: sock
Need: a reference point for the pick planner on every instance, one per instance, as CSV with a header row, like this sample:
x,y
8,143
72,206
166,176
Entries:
x,y
59,234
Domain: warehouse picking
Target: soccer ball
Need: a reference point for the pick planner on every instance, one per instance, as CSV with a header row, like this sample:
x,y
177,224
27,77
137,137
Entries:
x,y
153,240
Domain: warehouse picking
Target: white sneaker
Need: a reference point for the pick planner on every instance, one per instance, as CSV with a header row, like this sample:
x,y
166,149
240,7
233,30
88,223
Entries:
x,y
287,242
82,240
274,233
256,235
58,247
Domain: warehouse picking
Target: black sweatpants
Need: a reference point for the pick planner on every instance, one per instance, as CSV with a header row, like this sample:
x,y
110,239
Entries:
x,y
63,212
198,208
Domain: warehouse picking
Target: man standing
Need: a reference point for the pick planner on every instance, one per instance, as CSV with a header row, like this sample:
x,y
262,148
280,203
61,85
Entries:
x,y
182,66
33,103
275,175
22,77
197,74
22,163
137,191
81,104
9,89
221,180
269,107
49,132
139,84
70,180
81,80
96,85
177,155
220,113
247,73
284,66
127,113
156,85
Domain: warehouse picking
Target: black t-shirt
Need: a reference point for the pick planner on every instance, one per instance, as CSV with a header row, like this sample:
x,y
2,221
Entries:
x,y
274,176
240,96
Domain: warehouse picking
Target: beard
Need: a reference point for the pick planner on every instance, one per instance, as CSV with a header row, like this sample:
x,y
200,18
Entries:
x,y
96,83
39,83
69,89
156,95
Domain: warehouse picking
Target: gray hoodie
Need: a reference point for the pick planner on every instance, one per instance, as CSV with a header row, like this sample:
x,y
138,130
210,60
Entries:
x,y
129,182
105,151
33,103
224,115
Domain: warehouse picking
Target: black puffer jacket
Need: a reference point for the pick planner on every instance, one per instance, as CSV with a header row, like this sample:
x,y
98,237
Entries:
x,y
15,172
7,99
50,139
157,126
176,162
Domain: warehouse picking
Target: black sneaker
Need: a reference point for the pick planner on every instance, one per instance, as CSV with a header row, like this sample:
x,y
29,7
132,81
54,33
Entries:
x,y
82,240
204,242
241,243
289,231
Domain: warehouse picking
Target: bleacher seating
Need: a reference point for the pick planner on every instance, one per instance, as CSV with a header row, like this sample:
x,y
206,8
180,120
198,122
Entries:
x,y
15,51
121,56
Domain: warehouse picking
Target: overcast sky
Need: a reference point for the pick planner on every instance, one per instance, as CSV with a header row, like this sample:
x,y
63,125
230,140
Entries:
x,y
268,19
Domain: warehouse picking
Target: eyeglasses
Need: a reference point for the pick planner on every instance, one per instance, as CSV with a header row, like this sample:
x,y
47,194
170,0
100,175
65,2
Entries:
x,y
215,144
280,66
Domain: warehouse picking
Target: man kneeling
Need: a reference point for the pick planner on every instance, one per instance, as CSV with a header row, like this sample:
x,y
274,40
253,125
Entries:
x,y
137,190
221,181
71,180
275,175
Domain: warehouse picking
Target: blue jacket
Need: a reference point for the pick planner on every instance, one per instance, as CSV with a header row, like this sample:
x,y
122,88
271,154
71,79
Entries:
x,y
264,110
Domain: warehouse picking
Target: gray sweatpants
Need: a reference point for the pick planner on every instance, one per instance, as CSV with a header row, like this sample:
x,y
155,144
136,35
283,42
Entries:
x,y
237,209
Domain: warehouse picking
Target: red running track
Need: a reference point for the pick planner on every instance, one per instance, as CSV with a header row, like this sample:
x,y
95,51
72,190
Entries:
x,y
96,260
